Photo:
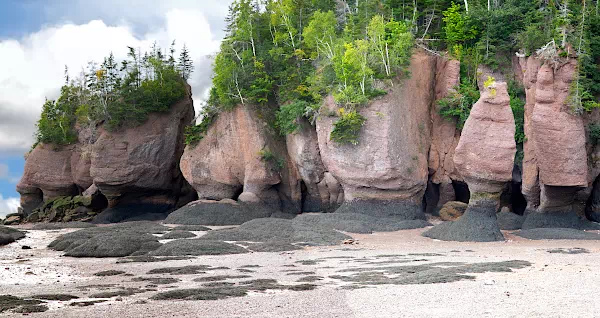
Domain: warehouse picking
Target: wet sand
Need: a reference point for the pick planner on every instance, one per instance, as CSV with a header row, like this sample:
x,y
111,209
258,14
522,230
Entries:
x,y
562,280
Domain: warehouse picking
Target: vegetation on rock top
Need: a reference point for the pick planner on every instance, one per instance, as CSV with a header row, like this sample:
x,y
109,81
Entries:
x,y
117,95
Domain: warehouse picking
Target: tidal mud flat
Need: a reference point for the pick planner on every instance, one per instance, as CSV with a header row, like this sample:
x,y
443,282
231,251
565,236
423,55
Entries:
x,y
392,274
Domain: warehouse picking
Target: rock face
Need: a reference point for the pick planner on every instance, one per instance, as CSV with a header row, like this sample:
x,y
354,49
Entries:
x,y
143,160
390,161
485,154
555,165
133,165
444,134
530,176
484,158
323,192
47,175
559,136
239,158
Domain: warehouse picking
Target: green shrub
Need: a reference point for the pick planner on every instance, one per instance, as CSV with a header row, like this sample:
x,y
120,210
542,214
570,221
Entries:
x,y
594,133
193,134
288,115
346,129
56,122
266,155
457,105
119,96
517,104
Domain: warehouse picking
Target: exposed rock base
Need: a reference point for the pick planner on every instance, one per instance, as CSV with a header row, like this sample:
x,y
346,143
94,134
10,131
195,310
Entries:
x,y
207,212
272,231
478,224
557,234
197,247
133,238
360,223
9,235
133,212
402,210
510,221
568,220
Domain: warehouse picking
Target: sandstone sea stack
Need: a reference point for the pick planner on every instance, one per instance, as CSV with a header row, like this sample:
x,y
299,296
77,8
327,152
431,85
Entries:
x,y
484,157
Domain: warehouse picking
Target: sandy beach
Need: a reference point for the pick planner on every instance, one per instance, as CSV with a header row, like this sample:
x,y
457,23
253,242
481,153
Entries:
x,y
554,279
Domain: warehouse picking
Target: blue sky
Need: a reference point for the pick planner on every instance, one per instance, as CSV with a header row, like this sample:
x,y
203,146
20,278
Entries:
x,y
39,37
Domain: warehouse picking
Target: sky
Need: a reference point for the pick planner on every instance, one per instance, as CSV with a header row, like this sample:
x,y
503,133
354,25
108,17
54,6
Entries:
x,y
39,37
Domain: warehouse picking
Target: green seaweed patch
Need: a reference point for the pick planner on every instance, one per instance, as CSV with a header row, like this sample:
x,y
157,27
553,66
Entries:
x,y
185,270
58,297
14,303
86,303
219,278
109,273
157,280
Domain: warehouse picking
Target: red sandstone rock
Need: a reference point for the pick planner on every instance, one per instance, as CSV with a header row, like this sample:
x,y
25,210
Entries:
x,y
486,150
390,161
47,169
143,158
232,159
444,134
558,134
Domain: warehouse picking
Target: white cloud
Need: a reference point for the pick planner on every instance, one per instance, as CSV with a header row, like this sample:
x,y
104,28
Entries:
x,y
32,68
8,206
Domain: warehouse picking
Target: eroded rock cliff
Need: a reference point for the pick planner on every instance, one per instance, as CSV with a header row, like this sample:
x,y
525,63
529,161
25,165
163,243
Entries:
x,y
241,158
135,168
390,161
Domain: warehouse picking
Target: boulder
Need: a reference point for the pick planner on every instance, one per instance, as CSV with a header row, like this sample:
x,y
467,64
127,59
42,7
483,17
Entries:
x,y
13,219
143,161
64,209
240,156
453,210
9,235
303,149
484,157
47,175
390,161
